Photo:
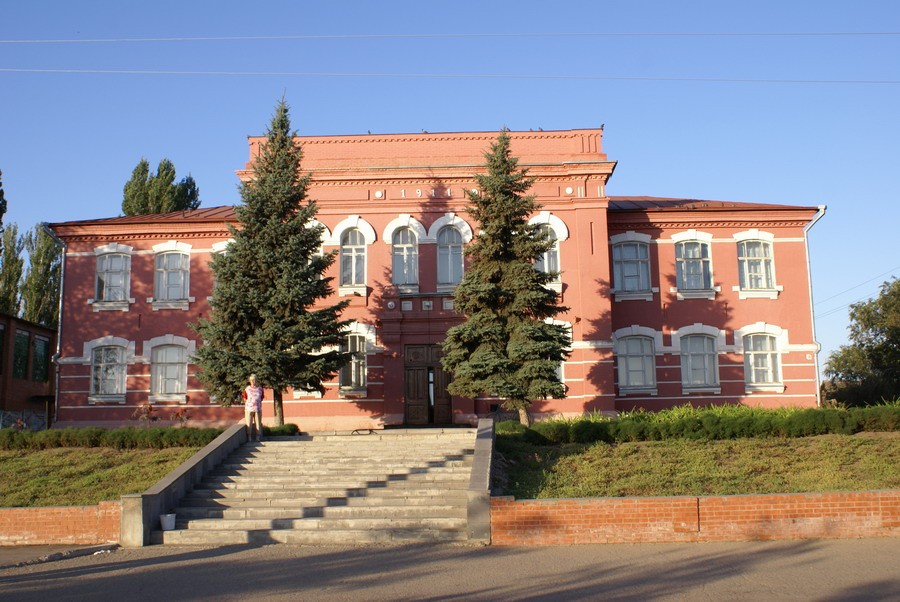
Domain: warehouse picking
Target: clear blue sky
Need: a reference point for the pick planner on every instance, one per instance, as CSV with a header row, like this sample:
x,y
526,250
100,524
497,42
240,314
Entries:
x,y
787,119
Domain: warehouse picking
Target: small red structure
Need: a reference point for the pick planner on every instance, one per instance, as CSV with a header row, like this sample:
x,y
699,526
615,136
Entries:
x,y
27,376
671,301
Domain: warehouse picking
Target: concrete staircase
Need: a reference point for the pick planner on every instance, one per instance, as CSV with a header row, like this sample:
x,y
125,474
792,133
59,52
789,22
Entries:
x,y
384,486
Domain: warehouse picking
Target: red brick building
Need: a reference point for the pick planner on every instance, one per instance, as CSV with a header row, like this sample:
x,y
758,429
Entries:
x,y
26,372
671,300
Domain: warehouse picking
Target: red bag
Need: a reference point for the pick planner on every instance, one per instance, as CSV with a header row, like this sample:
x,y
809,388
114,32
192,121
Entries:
x,y
244,394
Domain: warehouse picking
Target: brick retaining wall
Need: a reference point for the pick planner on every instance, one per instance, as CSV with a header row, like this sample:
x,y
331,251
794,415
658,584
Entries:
x,y
81,525
676,519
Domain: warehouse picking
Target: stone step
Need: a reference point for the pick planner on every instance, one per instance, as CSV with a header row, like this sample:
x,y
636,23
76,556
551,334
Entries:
x,y
312,537
276,482
316,496
317,523
265,472
313,511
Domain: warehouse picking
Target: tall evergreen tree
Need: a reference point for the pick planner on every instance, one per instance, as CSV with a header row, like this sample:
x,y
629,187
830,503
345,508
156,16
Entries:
x,y
2,201
150,193
11,264
40,288
267,316
506,345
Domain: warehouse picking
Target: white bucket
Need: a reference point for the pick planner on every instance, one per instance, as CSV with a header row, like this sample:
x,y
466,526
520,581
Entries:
x,y
167,521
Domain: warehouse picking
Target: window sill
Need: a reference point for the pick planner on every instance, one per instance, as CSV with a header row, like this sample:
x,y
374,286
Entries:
x,y
447,288
691,390
554,286
352,290
181,304
757,293
304,394
352,393
110,305
407,289
708,294
764,388
637,391
635,295
95,399
179,397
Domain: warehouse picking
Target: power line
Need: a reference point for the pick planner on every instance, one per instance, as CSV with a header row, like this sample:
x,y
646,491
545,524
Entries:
x,y
401,36
890,271
508,76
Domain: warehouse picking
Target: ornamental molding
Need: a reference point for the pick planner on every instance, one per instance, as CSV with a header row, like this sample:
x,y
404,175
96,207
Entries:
x,y
711,221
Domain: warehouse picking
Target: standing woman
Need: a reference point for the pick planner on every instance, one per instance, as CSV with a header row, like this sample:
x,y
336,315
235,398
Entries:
x,y
253,395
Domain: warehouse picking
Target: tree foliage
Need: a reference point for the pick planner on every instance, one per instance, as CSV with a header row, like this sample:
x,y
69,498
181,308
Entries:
x,y
11,264
268,317
507,345
868,369
150,193
40,288
2,200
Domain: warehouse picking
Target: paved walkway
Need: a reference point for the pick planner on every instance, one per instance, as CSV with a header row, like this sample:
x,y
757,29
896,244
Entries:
x,y
867,569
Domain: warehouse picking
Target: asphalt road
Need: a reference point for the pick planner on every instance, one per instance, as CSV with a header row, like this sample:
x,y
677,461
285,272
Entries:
x,y
867,569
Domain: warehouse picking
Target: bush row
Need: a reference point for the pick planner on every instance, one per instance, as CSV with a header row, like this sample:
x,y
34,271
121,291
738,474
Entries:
x,y
707,424
285,430
121,438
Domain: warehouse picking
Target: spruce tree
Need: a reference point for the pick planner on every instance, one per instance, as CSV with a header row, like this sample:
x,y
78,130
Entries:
x,y
40,288
506,346
268,317
11,264
149,193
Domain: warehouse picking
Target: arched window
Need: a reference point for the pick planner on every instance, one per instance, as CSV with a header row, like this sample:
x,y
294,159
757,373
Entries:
x,y
353,258
108,371
637,362
450,256
755,265
699,361
548,261
353,373
168,371
405,262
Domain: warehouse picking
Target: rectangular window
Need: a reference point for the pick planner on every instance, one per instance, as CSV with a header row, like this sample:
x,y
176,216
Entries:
x,y
40,360
699,361
20,355
760,360
755,265
172,270
692,266
2,347
169,370
637,365
108,371
353,374
112,277
631,267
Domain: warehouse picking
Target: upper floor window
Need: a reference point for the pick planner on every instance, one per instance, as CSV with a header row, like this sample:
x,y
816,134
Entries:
x,y
450,256
699,361
405,258
761,360
40,360
108,371
692,266
112,277
756,265
172,276
637,362
353,373
631,267
168,372
548,261
353,258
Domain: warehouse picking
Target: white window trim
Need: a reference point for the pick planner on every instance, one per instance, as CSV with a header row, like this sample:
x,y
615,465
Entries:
x,y
707,239
405,220
632,236
180,304
369,332
368,233
113,248
448,219
700,329
639,331
87,359
758,293
558,226
190,348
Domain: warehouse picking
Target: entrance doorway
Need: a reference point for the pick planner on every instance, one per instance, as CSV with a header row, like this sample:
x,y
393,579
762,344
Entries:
x,y
425,386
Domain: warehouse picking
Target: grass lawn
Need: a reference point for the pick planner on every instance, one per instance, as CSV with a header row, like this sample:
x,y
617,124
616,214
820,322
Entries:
x,y
75,476
684,467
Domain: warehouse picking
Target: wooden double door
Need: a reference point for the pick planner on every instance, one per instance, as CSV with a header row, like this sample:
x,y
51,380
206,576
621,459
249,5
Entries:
x,y
425,386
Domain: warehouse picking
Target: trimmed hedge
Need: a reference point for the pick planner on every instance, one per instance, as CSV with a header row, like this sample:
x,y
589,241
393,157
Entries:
x,y
127,437
730,422
285,430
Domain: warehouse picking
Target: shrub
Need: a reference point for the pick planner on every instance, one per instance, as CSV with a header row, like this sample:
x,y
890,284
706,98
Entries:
x,y
554,431
510,427
122,438
284,430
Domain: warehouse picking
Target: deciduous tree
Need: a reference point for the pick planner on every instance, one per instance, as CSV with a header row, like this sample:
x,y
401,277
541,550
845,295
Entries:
x,y
11,264
268,314
40,288
508,345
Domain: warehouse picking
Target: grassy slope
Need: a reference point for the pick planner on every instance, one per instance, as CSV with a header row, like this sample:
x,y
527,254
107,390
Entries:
x,y
73,476
683,467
